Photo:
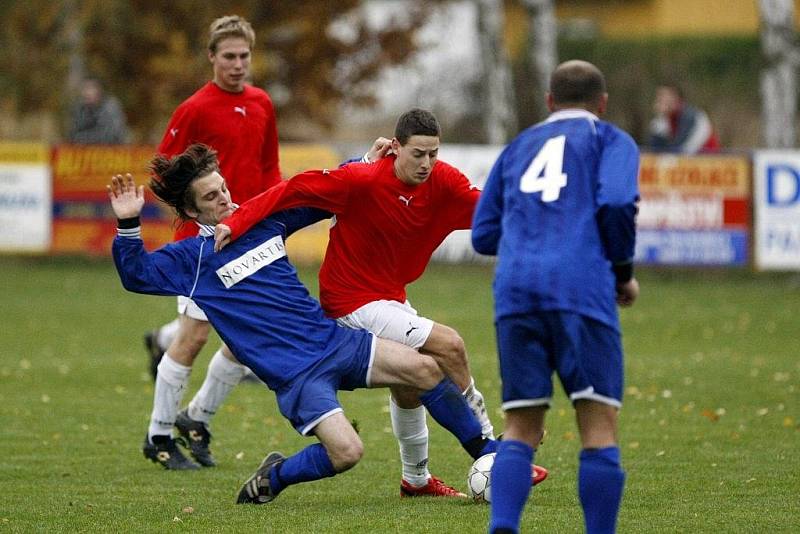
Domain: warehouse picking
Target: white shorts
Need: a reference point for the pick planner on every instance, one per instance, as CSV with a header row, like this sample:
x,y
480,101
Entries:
x,y
187,307
390,319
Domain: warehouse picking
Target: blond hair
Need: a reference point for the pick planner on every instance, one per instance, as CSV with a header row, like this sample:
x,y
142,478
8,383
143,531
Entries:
x,y
230,26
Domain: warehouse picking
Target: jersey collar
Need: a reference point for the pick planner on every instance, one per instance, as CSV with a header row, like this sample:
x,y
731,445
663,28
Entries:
x,y
207,230
563,114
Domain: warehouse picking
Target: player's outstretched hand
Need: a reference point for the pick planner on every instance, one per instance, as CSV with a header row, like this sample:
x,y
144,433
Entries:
x,y
222,236
379,149
627,292
126,198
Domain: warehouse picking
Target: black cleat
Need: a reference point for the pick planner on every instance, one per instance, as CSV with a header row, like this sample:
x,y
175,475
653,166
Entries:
x,y
256,490
196,437
154,351
164,451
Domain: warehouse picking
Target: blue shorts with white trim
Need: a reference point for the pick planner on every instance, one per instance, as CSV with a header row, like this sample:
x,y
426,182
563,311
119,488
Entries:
x,y
585,354
311,396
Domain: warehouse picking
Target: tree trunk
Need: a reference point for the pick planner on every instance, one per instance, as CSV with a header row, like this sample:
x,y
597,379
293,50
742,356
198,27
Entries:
x,y
779,76
72,39
498,110
543,44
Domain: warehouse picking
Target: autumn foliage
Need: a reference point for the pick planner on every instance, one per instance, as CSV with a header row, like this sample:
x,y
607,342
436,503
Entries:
x,y
152,55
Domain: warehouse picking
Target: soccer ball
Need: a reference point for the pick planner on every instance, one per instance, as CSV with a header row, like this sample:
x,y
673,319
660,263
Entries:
x,y
479,479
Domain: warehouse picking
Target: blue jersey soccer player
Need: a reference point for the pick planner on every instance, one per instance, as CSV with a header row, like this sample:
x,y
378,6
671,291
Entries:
x,y
559,210
253,298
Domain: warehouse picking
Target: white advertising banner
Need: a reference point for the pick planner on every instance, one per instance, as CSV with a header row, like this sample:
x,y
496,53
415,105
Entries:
x,y
475,161
25,198
776,195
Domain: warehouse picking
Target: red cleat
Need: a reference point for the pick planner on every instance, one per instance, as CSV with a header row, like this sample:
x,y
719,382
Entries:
x,y
538,474
434,488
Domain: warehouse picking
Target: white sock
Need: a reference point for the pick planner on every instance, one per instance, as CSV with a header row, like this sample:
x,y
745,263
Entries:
x,y
411,430
478,405
222,376
171,383
167,333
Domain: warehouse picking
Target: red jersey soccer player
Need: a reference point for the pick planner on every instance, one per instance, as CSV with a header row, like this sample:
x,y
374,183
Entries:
x,y
238,121
389,218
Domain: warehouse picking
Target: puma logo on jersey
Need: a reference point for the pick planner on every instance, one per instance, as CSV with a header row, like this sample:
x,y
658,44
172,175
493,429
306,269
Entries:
x,y
173,132
411,329
405,200
241,110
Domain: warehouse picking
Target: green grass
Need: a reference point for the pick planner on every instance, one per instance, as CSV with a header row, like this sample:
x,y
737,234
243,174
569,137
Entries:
x,y
710,428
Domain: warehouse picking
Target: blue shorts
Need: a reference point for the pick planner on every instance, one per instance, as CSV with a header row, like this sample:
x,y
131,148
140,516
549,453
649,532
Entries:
x,y
311,396
584,353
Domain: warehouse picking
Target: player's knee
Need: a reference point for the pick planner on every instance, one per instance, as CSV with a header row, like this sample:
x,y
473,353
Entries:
x,y
428,373
346,455
194,338
454,349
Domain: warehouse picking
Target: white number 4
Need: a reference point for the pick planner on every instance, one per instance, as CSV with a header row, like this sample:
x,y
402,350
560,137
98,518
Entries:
x,y
545,173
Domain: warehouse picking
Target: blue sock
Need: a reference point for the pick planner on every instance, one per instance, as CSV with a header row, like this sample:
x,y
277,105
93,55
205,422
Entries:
x,y
312,463
448,407
600,483
511,484
488,447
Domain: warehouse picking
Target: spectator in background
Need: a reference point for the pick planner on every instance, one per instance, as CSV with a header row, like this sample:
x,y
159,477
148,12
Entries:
x,y
97,118
678,126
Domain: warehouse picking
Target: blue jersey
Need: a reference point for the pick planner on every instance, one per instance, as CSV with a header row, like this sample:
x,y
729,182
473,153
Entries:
x,y
249,291
558,210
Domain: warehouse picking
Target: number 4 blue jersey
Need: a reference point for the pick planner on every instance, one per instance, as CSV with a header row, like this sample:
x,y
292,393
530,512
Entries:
x,y
558,210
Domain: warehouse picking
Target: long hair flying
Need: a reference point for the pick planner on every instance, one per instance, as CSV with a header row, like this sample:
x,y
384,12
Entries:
x,y
171,178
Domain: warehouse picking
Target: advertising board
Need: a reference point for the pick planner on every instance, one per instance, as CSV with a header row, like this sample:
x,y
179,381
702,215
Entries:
x,y
25,197
776,188
694,210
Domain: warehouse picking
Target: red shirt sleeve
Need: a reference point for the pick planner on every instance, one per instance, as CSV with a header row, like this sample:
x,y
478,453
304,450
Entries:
x,y
270,167
179,132
176,138
323,189
462,199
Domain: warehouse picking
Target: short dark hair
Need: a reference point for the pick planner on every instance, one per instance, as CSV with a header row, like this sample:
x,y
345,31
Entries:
x,y
577,82
416,122
171,178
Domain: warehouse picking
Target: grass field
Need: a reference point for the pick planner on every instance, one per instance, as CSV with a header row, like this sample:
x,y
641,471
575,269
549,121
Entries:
x,y
710,430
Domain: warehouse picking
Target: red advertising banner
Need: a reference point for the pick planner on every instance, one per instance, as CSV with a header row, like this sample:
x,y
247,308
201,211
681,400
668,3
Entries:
x,y
695,210
84,223
82,218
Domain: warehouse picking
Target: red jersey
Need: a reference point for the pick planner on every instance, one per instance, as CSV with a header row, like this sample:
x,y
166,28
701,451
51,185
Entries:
x,y
384,231
240,127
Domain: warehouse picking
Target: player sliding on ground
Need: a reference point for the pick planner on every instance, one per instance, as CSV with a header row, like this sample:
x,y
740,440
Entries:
x,y
390,217
254,299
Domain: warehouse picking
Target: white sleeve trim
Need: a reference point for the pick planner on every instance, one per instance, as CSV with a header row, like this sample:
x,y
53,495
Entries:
x,y
130,233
